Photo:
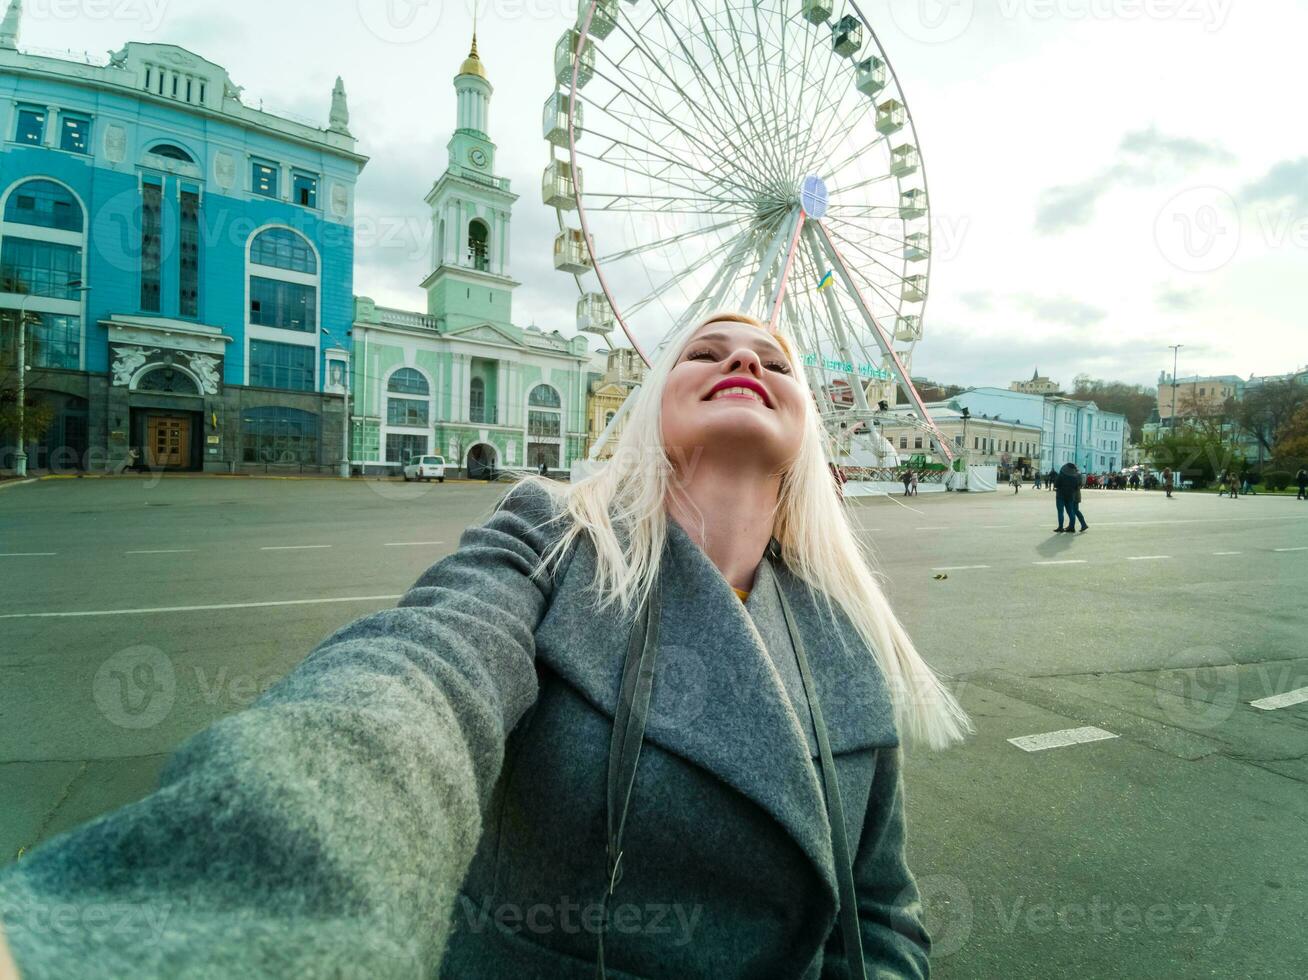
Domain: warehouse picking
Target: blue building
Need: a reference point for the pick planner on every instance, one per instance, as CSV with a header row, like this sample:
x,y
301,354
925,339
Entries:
x,y
1071,431
183,261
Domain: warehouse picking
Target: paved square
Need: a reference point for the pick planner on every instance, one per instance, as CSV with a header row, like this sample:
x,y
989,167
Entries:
x,y
134,612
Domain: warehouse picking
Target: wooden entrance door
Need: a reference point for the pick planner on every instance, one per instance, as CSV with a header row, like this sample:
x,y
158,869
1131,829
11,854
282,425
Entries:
x,y
168,442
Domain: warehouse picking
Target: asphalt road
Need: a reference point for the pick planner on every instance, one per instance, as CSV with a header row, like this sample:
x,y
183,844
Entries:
x,y
134,612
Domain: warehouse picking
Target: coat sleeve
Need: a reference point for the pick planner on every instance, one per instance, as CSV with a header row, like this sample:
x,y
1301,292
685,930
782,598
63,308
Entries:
x,y
895,942
324,831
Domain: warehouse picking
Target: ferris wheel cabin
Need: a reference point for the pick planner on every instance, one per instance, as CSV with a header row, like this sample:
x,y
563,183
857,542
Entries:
x,y
554,121
558,186
847,36
871,76
915,289
916,246
594,314
565,54
891,117
570,252
604,19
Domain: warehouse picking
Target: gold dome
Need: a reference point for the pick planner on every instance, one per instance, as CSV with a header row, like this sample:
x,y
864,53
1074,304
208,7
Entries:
x,y
472,64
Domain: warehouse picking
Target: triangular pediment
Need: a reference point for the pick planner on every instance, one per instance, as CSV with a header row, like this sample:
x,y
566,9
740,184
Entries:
x,y
487,332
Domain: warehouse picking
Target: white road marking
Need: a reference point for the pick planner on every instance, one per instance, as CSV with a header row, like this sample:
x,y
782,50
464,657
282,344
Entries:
x,y
209,608
1060,739
412,544
296,547
1298,696
1148,557
30,554
933,529
1226,553
1066,561
163,551
958,568
1290,549
15,483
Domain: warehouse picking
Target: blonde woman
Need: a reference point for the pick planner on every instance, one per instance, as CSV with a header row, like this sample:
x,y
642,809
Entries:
x,y
646,725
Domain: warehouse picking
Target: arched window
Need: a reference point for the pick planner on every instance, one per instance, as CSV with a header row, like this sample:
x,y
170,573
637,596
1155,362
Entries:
x,y
408,414
407,381
168,379
273,434
543,396
478,244
477,400
281,248
45,204
172,152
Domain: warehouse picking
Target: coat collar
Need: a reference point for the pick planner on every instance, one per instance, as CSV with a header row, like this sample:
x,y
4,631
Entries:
x,y
718,701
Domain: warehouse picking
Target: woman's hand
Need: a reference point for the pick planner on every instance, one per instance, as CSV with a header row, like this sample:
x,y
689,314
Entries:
x,y
7,969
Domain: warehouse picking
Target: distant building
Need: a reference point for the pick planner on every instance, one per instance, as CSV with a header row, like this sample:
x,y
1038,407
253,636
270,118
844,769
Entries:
x,y
1197,397
461,380
184,262
1071,431
623,373
1038,385
1000,441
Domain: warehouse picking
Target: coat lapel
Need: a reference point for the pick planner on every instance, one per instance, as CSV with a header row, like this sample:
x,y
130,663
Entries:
x,y
718,700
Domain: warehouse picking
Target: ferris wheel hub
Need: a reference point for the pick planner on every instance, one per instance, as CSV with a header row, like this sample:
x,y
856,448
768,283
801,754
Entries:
x,y
813,196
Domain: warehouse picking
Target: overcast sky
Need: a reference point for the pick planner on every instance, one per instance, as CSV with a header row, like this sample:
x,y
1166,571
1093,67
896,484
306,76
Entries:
x,y
1108,177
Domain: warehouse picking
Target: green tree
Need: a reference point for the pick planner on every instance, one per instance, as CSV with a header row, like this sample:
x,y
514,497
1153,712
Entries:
x,y
38,415
1195,453
1268,408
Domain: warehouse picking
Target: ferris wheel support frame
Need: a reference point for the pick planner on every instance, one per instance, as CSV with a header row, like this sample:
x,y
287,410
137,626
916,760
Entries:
x,y
887,348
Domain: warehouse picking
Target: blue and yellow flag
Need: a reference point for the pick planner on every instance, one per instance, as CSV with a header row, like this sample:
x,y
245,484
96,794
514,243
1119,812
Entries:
x,y
827,280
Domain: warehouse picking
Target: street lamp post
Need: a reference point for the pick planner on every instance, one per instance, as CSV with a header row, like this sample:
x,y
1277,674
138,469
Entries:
x,y
1176,348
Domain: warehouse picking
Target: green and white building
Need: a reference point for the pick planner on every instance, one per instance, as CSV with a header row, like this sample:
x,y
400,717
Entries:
x,y
460,380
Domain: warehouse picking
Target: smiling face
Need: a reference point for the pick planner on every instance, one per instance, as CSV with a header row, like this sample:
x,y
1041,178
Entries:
x,y
733,389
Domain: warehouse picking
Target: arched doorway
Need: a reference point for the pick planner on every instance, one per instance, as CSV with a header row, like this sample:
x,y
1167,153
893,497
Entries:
x,y
481,461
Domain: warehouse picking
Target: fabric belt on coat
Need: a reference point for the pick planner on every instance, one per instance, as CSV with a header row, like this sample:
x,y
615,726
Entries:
x,y
624,753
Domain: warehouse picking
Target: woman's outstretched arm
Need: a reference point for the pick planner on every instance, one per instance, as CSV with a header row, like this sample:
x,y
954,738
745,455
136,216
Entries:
x,y
323,832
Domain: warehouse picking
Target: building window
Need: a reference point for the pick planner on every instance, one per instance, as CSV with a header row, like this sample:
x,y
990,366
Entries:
x,y
958,441
546,424
272,434
188,288
403,446
410,412
287,366
305,190
172,152
151,245
281,248
477,400
53,340
263,179
903,442
413,411
45,204
543,396
75,134
408,381
478,245
917,442
976,443
287,305
40,268
31,126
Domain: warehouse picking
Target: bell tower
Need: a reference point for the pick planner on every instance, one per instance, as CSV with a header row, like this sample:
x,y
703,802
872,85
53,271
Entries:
x,y
471,215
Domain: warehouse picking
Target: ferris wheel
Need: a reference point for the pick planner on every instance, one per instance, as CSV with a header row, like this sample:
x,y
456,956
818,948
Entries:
x,y
756,155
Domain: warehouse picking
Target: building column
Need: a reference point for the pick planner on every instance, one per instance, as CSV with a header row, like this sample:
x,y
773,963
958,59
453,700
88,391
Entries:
x,y
503,371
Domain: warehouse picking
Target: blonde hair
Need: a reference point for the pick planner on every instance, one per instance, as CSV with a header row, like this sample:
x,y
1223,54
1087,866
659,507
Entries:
x,y
622,510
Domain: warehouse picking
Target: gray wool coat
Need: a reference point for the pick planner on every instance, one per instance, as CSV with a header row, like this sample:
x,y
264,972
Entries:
x,y
424,796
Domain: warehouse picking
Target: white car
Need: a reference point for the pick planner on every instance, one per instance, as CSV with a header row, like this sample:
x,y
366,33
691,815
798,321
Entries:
x,y
425,468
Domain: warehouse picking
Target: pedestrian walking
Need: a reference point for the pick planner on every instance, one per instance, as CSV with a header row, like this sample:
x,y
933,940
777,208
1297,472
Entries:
x,y
1302,479
1167,481
913,483
1037,479
1051,479
1233,485
476,748
1016,481
908,482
